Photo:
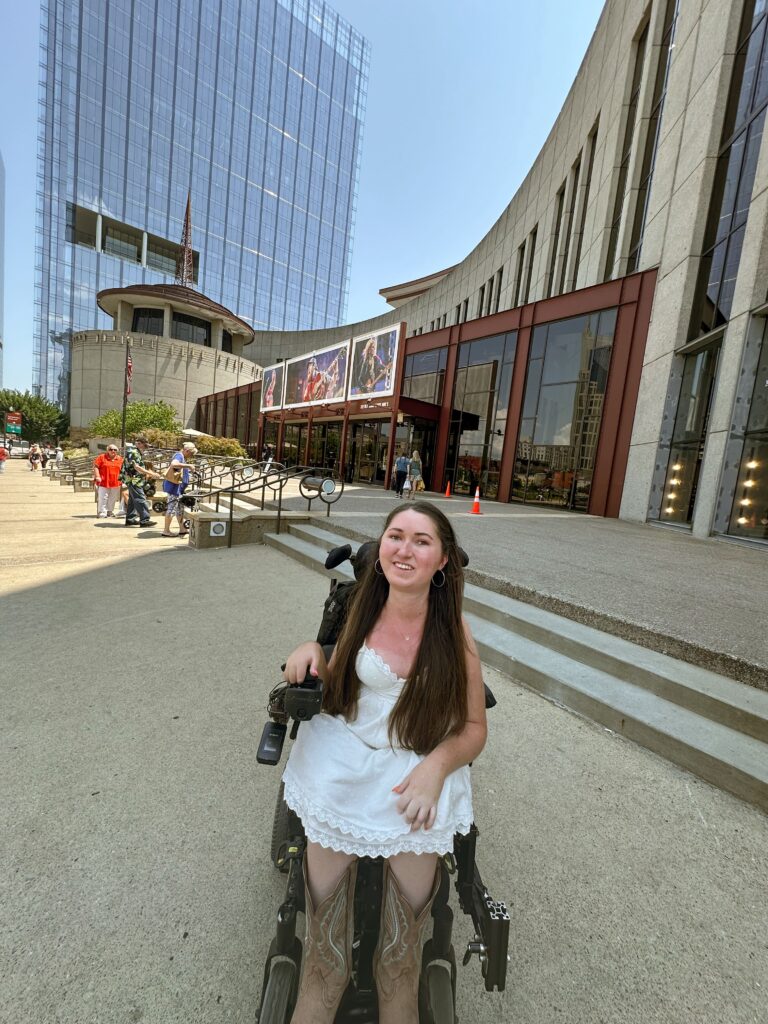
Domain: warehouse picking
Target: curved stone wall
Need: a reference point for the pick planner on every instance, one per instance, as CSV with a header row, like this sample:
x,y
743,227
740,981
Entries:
x,y
176,372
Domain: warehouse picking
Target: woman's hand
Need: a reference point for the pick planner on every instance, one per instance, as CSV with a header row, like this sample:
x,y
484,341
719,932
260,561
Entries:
x,y
308,657
419,793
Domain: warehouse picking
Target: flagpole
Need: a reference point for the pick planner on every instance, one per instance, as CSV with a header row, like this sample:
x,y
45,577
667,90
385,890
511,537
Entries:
x,y
125,394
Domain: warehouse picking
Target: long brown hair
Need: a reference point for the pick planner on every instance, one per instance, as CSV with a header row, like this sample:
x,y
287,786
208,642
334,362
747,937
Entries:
x,y
433,701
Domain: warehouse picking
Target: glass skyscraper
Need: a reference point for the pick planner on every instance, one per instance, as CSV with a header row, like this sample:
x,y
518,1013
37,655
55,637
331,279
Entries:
x,y
255,107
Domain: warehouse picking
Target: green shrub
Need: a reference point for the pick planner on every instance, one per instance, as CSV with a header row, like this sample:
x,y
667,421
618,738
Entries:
x,y
75,453
139,417
223,446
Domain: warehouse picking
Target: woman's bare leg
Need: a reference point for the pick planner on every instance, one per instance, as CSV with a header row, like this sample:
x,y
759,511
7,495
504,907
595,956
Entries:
x,y
415,874
324,870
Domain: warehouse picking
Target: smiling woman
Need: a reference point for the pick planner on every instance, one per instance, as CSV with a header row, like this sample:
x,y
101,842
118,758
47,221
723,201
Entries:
x,y
384,771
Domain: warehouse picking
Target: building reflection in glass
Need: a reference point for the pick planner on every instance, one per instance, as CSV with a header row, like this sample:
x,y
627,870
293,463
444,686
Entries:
x,y
479,414
562,410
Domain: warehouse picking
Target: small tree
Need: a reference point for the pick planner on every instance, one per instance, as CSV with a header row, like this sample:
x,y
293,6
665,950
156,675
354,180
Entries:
x,y
139,416
41,420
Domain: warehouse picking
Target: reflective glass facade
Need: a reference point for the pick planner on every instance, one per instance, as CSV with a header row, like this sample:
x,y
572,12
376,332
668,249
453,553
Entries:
x,y
562,411
254,108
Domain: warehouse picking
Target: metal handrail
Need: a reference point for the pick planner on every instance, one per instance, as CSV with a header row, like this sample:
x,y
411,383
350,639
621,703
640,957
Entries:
x,y
273,476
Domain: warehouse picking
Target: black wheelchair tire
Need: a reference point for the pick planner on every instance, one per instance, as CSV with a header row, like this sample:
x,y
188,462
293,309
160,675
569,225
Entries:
x,y
285,825
276,1003
158,506
439,993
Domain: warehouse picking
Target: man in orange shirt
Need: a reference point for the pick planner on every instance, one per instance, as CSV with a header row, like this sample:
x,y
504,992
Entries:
x,y
106,474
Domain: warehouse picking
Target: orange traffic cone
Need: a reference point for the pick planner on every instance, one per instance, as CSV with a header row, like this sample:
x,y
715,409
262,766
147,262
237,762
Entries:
x,y
476,507
448,490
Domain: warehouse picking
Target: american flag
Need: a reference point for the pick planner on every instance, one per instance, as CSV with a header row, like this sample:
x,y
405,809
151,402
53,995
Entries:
x,y
128,374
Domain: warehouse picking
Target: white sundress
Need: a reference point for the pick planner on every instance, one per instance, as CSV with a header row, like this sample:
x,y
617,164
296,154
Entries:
x,y
340,775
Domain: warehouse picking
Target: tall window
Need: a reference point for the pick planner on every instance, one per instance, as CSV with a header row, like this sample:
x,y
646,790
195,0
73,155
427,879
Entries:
x,y
575,173
584,198
690,428
424,374
481,300
749,515
565,388
652,137
479,413
559,204
529,269
519,275
499,274
626,153
735,174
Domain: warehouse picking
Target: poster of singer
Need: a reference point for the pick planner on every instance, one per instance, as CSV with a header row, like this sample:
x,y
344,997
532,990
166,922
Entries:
x,y
373,364
272,387
317,378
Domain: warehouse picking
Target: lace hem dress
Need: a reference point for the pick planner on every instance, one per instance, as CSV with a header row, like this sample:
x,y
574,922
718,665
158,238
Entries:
x,y
340,775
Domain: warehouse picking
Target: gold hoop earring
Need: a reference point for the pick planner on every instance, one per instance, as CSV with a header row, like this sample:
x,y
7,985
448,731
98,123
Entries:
x,y
377,568
438,586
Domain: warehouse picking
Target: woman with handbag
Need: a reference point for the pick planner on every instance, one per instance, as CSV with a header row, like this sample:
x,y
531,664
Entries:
x,y
415,474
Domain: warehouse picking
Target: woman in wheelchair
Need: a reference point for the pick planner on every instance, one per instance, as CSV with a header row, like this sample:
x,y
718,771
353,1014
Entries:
x,y
384,771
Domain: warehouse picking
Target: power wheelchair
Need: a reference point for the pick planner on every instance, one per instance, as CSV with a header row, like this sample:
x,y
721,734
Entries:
x,y
437,983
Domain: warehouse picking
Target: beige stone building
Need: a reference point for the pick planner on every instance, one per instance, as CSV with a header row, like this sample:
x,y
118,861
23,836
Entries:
x,y
657,162
182,346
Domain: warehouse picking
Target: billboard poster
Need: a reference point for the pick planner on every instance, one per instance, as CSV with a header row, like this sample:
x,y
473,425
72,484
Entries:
x,y
374,357
317,378
272,387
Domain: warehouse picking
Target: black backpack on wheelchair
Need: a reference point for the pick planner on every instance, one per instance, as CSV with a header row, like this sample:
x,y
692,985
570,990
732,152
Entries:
x,y
437,983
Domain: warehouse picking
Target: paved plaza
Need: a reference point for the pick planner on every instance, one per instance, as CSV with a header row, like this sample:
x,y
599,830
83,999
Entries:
x,y
135,883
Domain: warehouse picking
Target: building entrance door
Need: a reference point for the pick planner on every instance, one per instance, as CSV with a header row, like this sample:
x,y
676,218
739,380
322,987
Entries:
x,y
368,450
294,438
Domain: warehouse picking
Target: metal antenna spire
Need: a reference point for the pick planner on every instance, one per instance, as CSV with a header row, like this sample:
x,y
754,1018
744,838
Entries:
x,y
184,262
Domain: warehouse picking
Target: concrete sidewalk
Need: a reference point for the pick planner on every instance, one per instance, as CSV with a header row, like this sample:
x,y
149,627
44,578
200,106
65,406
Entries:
x,y
135,883
702,601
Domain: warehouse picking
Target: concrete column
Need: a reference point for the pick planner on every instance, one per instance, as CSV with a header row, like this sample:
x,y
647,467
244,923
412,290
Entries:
x,y
217,329
98,232
144,248
167,319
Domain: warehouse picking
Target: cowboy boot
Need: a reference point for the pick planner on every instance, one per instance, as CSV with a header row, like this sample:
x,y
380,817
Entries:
x,y
397,960
327,956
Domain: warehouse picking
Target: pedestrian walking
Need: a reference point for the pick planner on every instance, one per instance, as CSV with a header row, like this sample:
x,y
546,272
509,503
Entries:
x,y
415,474
59,456
175,483
401,473
34,458
3,457
133,474
106,480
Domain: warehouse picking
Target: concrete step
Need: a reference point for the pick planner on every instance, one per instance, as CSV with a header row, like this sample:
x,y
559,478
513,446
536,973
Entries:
x,y
715,752
715,696
713,726
308,553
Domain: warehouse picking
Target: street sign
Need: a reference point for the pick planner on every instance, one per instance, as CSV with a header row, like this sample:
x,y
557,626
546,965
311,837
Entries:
x,y
13,423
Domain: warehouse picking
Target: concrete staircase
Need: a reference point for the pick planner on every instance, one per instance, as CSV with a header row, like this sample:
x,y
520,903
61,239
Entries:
x,y
710,725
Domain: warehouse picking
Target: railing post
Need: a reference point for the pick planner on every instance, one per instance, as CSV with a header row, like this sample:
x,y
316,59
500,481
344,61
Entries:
x,y
231,513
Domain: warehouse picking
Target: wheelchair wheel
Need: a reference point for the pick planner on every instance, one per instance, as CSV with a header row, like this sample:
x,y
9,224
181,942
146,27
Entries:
x,y
285,825
437,993
279,993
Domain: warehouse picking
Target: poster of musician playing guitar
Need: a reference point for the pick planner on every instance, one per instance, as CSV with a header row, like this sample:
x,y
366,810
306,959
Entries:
x,y
318,378
373,361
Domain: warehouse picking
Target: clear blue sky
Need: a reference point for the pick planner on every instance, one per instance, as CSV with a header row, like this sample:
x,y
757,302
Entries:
x,y
461,97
